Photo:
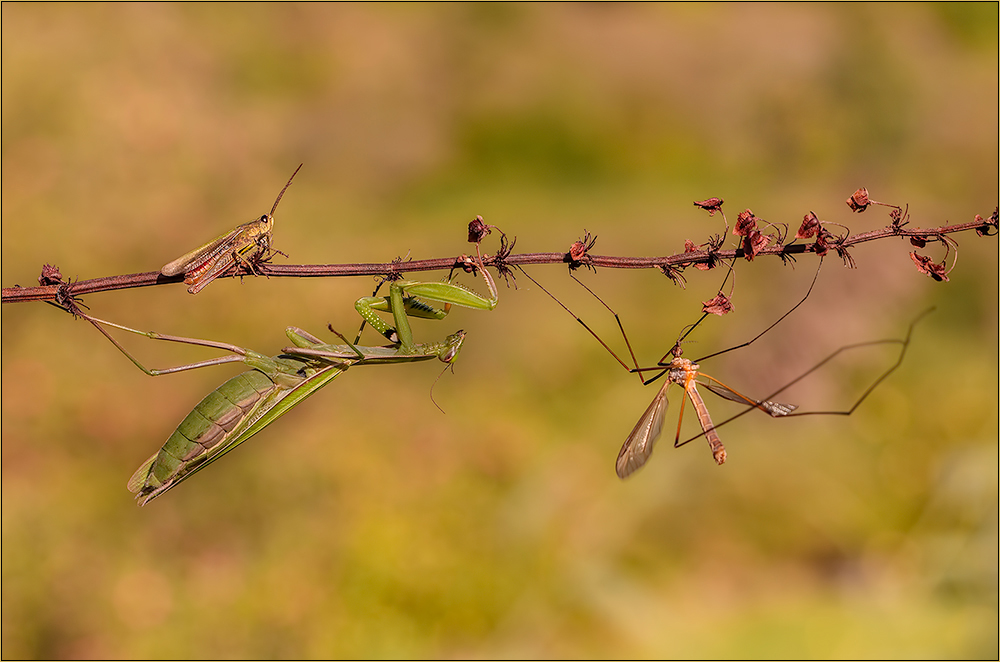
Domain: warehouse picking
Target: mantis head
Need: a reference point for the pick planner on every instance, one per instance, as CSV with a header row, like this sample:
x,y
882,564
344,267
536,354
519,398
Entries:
x,y
451,347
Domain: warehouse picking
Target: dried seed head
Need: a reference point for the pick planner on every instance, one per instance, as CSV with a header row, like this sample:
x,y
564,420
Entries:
x,y
691,247
859,201
753,242
745,223
809,228
926,266
578,252
720,305
711,205
467,264
821,246
478,229
50,275
986,225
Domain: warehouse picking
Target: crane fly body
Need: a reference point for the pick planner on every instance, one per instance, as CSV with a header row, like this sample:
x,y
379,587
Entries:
x,y
638,446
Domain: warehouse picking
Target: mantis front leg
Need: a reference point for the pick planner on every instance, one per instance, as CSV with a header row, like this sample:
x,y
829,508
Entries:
x,y
402,302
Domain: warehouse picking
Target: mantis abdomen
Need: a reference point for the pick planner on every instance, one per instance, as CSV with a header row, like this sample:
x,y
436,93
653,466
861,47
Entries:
x,y
226,415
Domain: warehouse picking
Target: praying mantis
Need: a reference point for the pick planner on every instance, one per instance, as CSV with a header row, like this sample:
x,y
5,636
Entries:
x,y
247,403
242,244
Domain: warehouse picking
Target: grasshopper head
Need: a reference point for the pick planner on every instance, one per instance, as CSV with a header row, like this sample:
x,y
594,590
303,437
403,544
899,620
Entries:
x,y
452,346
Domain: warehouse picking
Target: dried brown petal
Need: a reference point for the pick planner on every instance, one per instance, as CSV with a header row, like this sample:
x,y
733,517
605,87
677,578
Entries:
x,y
984,227
821,246
859,200
691,247
926,266
720,305
467,263
809,228
711,205
477,230
753,242
745,223
50,275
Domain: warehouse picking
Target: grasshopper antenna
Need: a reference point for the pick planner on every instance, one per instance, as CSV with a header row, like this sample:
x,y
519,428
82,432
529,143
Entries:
x,y
278,199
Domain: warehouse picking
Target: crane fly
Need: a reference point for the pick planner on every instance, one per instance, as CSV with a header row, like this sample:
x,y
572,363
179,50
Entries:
x,y
685,373
638,446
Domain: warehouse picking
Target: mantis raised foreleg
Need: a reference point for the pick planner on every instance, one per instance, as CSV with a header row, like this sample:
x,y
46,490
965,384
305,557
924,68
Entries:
x,y
249,402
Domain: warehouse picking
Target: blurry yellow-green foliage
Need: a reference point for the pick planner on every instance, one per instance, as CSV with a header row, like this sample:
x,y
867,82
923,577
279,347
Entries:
x,y
367,524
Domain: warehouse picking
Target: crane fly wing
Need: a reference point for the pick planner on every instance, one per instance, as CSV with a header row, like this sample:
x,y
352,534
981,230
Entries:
x,y
639,445
773,408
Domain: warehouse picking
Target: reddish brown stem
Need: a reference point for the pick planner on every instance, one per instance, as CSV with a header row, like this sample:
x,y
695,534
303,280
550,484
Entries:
x,y
668,262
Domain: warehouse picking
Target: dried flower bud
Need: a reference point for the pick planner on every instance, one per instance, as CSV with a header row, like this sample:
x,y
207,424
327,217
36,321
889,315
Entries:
x,y
984,226
926,266
745,223
720,305
50,276
477,230
467,263
859,200
753,242
821,247
809,228
691,247
711,205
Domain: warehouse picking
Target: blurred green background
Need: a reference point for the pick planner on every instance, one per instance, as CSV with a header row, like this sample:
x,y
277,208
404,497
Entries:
x,y
366,523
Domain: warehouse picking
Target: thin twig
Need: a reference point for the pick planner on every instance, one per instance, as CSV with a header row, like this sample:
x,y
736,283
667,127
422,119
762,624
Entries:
x,y
666,264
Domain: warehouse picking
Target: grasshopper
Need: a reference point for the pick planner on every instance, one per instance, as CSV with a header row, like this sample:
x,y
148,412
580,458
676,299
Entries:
x,y
242,244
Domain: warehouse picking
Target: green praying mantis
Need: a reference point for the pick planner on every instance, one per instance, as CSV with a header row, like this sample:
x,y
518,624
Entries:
x,y
242,244
247,403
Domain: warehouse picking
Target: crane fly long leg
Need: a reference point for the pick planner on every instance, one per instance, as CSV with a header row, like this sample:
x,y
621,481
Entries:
x,y
635,364
776,323
723,391
769,406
